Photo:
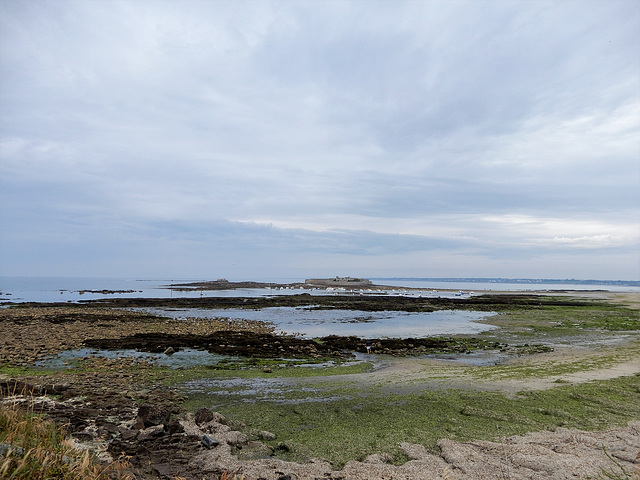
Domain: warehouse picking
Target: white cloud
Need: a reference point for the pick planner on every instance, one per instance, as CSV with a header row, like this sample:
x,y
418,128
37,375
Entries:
x,y
542,230
596,241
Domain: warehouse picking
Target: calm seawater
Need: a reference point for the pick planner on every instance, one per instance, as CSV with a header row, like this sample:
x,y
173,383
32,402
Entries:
x,y
310,322
68,289
503,287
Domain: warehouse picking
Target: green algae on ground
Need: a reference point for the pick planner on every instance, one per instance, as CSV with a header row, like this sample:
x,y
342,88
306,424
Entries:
x,y
365,420
541,368
567,319
355,426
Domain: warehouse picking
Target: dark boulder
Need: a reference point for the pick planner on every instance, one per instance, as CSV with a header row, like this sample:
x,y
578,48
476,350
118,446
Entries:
x,y
152,415
203,415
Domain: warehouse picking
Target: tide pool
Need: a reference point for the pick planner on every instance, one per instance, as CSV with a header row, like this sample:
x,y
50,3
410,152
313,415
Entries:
x,y
311,322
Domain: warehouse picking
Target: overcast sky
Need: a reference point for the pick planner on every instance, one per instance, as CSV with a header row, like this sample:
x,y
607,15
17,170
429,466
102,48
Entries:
x,y
274,139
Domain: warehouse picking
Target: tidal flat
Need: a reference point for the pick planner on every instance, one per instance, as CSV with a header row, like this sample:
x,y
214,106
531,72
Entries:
x,y
348,416
421,399
554,361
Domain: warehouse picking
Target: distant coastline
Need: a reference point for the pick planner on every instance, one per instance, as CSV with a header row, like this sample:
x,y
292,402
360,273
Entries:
x,y
524,281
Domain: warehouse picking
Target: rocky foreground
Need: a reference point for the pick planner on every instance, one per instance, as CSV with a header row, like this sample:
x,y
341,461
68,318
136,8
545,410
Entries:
x,y
161,442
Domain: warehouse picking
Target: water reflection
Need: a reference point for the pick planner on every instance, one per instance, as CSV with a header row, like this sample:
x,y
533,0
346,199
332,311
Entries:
x,y
311,322
185,358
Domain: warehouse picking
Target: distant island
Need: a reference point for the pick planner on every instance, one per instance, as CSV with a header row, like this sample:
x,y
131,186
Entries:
x,y
360,283
224,284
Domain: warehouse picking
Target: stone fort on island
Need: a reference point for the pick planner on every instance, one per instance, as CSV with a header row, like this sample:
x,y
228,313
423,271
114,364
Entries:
x,y
338,282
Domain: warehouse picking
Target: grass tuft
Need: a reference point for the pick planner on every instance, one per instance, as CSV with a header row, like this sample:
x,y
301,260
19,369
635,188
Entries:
x,y
34,448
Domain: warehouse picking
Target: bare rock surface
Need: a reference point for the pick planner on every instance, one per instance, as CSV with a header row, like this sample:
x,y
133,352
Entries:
x,y
558,455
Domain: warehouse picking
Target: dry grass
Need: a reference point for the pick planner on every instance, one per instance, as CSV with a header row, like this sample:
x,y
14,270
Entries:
x,y
231,476
37,449
34,448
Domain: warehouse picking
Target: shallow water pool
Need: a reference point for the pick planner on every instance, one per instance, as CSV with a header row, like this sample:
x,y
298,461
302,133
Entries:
x,y
186,357
311,322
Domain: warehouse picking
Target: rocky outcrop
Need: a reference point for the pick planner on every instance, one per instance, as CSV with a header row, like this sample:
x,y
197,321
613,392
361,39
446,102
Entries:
x,y
226,342
563,454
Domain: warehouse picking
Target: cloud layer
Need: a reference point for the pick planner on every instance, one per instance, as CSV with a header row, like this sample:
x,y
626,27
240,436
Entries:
x,y
276,139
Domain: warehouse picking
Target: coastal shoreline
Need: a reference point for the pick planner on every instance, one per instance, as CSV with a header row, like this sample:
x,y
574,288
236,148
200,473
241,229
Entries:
x,y
117,385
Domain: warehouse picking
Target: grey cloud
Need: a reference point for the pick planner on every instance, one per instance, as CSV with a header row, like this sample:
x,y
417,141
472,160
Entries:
x,y
130,114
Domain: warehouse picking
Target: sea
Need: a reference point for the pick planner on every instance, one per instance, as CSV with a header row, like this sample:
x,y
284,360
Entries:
x,y
75,289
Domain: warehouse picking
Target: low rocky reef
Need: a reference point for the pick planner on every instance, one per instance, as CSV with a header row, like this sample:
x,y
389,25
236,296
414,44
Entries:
x,y
366,303
252,344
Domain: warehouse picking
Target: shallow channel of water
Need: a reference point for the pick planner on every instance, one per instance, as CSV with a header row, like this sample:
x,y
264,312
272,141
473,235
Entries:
x,y
183,358
220,392
186,357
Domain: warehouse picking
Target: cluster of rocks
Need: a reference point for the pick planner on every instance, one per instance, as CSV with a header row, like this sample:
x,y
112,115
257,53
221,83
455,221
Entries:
x,y
253,344
368,303
110,424
156,440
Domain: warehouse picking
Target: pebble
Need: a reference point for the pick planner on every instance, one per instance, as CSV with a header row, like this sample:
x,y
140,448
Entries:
x,y
209,442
